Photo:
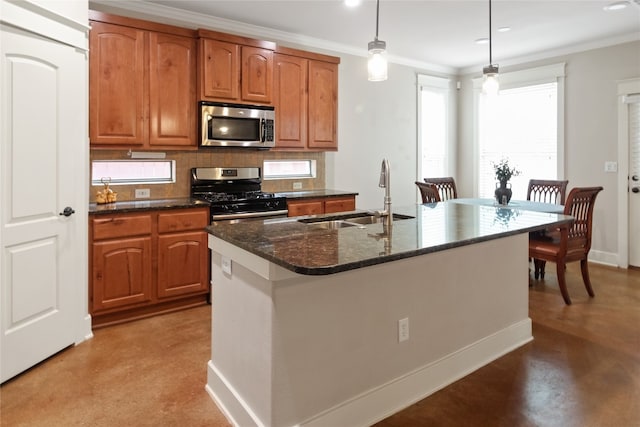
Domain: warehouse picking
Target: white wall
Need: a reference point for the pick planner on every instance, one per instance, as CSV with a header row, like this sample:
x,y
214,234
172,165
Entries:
x,y
376,120
591,122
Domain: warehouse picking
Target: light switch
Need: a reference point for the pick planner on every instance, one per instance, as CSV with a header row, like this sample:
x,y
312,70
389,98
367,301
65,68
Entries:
x,y
611,166
226,265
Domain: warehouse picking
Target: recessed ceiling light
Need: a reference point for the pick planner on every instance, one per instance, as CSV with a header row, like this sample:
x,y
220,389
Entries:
x,y
483,40
617,5
504,29
352,3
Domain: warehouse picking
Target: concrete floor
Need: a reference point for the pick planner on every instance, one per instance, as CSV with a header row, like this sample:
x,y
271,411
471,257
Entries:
x,y
582,369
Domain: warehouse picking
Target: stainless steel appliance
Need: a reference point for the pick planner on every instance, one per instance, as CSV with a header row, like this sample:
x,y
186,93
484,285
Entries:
x,y
235,193
235,125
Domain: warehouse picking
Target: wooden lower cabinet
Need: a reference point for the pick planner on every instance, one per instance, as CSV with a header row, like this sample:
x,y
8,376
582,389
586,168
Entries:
x,y
317,206
147,263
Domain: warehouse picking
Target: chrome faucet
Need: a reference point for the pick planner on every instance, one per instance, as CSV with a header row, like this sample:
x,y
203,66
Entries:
x,y
385,179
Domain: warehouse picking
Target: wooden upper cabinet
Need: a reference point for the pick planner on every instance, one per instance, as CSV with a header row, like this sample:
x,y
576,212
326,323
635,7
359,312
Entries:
x,y
142,84
172,90
117,107
306,101
323,105
290,97
220,70
257,74
235,69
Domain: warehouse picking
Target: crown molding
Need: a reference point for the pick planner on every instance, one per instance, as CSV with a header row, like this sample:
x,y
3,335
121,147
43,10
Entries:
x,y
172,16
567,50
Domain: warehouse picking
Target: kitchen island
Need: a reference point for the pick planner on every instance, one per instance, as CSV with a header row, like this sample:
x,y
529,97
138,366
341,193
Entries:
x,y
323,324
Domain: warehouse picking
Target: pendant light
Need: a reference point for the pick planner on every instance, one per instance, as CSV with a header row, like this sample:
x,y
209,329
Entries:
x,y
377,63
490,85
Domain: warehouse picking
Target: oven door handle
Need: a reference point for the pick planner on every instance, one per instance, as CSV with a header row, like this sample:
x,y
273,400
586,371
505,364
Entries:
x,y
217,217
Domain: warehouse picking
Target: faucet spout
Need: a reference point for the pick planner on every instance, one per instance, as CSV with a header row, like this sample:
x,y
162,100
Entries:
x,y
385,182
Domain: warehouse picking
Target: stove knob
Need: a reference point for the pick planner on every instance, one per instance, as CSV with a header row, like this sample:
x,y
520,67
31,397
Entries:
x,y
234,207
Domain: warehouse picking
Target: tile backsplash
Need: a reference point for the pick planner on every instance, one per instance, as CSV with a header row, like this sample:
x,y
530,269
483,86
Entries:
x,y
185,160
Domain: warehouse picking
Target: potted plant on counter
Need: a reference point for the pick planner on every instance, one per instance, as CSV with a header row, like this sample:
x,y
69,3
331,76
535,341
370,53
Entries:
x,y
504,172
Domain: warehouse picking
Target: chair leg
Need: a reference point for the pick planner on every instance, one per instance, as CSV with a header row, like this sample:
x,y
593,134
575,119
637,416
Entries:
x,y
536,268
543,264
585,277
561,267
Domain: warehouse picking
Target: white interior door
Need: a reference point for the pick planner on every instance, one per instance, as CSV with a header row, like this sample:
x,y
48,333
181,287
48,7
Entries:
x,y
634,180
42,166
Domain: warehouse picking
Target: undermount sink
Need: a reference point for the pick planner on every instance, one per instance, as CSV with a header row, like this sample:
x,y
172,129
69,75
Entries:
x,y
358,220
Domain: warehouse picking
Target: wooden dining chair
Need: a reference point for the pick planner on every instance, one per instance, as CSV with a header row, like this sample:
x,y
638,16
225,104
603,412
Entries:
x,y
568,243
446,187
547,191
429,192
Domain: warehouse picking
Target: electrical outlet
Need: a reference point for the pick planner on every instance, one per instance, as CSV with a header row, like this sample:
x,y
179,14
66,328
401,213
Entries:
x,y
403,329
226,265
143,193
297,186
611,166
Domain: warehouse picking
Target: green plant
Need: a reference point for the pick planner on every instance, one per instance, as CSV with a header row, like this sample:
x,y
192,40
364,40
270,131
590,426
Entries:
x,y
503,171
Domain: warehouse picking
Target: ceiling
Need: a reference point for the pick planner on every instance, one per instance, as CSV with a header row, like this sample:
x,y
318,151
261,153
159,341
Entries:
x,y
435,34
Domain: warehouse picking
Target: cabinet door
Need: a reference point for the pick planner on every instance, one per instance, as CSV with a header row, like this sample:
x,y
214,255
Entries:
x,y
117,108
220,70
314,207
323,105
182,264
121,273
172,90
290,90
257,74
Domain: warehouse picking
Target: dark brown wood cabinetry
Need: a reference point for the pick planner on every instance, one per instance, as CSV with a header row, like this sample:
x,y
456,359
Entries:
x,y
142,84
321,205
235,69
145,263
306,100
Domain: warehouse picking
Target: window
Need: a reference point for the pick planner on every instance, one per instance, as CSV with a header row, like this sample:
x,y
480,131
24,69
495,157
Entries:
x,y
435,153
524,124
289,169
133,171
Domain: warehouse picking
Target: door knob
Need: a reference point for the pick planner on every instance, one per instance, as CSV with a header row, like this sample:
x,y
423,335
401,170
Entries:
x,y
636,189
634,178
68,211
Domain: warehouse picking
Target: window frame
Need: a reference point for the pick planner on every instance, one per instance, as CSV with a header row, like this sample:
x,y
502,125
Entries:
x,y
114,182
529,77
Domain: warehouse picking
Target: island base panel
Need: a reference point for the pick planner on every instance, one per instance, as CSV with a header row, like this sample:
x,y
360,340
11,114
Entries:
x,y
290,349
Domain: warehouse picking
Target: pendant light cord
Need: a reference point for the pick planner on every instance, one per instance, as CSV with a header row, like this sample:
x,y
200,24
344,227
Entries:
x,y
490,57
377,16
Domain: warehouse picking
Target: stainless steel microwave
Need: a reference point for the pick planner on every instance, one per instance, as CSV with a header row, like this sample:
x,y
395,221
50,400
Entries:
x,y
236,125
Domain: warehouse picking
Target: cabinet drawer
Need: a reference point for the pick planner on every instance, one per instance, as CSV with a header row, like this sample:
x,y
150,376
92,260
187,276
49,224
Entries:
x,y
305,208
340,205
121,226
191,219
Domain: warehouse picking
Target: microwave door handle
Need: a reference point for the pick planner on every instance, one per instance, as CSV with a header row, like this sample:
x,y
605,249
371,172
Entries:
x,y
263,130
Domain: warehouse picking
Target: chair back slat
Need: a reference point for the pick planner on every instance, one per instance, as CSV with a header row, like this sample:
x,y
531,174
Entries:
x,y
547,191
446,187
429,192
579,205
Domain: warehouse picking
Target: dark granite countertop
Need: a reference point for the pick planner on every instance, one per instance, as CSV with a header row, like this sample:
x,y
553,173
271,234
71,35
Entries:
x,y
311,250
145,205
309,194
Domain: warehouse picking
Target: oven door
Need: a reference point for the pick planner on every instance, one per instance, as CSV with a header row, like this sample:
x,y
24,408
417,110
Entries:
x,y
231,125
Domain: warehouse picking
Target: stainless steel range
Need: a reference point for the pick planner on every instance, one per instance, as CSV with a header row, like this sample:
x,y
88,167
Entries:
x,y
235,193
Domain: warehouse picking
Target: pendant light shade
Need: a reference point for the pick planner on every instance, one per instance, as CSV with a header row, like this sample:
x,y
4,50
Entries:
x,y
490,84
377,63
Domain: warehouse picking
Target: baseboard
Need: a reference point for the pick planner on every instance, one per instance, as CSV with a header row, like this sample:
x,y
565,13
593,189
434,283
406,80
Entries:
x,y
389,398
606,258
